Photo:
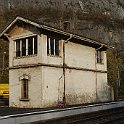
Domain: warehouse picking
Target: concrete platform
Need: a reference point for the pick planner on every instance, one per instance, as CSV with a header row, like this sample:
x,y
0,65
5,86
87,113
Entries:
x,y
40,115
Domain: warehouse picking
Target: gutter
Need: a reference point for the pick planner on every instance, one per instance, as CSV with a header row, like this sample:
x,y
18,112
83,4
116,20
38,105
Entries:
x,y
64,64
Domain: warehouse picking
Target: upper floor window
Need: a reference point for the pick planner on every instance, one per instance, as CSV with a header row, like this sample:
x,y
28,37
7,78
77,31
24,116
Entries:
x,y
52,46
26,46
99,56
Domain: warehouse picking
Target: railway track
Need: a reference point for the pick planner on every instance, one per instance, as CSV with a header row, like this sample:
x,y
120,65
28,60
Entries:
x,y
103,113
113,116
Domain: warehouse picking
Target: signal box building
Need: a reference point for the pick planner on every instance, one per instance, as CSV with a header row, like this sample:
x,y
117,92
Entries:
x,y
48,66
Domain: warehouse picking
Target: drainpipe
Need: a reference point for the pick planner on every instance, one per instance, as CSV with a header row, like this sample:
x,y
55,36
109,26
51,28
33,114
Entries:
x,y
96,71
64,65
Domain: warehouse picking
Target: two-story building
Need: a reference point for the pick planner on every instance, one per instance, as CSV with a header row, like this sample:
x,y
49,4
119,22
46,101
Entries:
x,y
47,65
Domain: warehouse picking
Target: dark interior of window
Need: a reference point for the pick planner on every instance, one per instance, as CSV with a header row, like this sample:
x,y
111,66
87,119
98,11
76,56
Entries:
x,y
17,48
57,47
52,46
35,45
23,47
30,46
99,56
25,89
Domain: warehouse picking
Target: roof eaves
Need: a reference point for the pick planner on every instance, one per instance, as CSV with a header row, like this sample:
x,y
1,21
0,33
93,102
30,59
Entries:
x,y
89,40
8,27
29,22
51,29
74,36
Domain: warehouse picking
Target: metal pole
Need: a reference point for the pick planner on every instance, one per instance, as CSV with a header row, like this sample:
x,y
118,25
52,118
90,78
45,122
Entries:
x,y
4,60
115,77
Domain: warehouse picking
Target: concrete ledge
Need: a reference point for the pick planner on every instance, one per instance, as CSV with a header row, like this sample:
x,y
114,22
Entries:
x,y
57,113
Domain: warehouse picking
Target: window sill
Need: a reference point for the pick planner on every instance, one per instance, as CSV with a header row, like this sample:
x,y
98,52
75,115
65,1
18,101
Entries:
x,y
28,56
100,63
57,56
22,99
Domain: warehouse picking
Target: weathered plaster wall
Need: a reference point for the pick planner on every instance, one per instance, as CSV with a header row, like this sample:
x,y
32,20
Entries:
x,y
46,84
79,56
52,86
35,87
104,92
80,87
17,33
49,59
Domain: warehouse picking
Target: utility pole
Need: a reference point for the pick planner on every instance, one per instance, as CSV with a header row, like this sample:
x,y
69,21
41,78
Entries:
x,y
115,77
4,53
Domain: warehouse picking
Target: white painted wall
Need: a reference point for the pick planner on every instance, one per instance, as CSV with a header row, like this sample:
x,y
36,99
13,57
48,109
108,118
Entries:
x,y
79,56
52,86
80,87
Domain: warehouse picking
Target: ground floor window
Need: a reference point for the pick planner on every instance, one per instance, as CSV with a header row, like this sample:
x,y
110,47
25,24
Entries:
x,y
24,91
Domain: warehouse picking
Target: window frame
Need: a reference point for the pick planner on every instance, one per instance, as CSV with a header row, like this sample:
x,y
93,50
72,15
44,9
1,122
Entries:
x,y
24,92
99,56
20,52
53,47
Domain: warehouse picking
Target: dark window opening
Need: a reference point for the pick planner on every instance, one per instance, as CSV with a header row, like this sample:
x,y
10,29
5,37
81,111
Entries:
x,y
23,47
17,48
57,47
35,45
48,48
24,89
52,43
30,46
99,56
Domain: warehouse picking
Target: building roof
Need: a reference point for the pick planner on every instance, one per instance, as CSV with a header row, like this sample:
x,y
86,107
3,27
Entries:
x,y
64,35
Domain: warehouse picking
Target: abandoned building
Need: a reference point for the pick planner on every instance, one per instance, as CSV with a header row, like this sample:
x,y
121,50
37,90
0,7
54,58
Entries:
x,y
47,66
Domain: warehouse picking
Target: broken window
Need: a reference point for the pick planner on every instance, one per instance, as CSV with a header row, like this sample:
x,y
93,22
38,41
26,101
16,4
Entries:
x,y
24,91
26,46
52,46
99,56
